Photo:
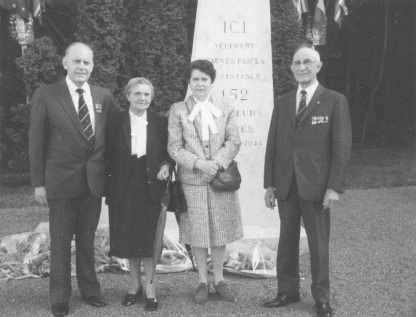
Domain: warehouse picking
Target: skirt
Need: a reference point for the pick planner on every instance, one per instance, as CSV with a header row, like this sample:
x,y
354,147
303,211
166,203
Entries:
x,y
134,219
213,218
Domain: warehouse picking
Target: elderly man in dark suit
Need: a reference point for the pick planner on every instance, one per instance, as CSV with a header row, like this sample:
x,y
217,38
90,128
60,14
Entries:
x,y
66,145
308,147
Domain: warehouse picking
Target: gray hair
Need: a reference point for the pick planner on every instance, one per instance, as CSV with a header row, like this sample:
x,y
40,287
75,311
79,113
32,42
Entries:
x,y
138,81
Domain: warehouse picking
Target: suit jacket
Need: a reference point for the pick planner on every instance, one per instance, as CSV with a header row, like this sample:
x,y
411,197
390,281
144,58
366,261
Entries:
x,y
118,154
185,146
60,158
317,151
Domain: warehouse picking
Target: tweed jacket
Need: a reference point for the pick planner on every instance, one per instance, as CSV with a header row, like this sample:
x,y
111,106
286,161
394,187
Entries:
x,y
185,145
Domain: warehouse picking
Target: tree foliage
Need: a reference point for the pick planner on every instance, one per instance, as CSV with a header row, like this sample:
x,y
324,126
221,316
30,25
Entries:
x,y
157,48
103,27
286,37
41,64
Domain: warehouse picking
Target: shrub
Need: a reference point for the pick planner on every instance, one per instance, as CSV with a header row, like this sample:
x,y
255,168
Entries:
x,y
103,27
286,37
41,64
157,48
18,138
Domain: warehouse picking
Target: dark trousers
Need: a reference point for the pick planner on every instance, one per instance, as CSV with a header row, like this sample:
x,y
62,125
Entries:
x,y
317,225
77,216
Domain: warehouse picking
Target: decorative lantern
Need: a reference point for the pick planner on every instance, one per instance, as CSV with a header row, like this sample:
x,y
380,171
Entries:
x,y
19,29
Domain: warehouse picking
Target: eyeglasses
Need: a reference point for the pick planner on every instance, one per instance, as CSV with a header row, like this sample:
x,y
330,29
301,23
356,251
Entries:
x,y
307,63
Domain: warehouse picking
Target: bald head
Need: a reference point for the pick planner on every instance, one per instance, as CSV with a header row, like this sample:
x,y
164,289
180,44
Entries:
x,y
310,51
70,46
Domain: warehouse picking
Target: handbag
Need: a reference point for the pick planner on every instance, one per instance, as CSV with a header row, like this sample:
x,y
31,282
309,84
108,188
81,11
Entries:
x,y
177,201
227,180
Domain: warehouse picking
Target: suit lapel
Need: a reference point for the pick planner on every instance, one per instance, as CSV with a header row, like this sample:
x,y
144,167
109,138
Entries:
x,y
98,116
190,103
125,125
315,101
66,101
151,127
292,107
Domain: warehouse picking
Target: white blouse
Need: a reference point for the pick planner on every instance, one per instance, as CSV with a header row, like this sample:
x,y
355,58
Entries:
x,y
138,134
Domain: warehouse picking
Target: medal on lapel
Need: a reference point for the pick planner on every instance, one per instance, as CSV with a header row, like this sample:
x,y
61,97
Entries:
x,y
98,107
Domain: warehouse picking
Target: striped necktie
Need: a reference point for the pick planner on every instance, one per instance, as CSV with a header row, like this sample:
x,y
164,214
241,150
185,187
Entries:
x,y
84,117
302,106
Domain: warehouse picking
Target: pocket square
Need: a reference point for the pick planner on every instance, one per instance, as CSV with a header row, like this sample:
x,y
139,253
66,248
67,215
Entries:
x,y
318,120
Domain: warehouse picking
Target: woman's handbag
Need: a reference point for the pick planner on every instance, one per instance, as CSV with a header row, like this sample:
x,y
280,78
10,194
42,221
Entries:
x,y
227,180
177,202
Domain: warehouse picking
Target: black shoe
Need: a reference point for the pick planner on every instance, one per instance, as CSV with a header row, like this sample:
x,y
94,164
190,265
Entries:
x,y
323,310
96,301
131,299
60,309
151,304
282,300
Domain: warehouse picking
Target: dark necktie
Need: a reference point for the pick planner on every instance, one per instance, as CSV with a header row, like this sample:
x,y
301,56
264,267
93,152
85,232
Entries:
x,y
302,106
84,117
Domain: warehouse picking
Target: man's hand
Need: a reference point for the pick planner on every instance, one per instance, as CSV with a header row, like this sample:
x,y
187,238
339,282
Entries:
x,y
331,196
40,196
270,198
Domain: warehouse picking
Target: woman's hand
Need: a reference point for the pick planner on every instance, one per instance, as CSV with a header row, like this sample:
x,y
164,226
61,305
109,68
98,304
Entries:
x,y
208,167
163,173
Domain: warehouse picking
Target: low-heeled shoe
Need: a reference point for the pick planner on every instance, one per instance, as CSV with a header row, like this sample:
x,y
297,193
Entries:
x,y
201,293
323,310
150,304
130,299
225,291
281,300
96,301
60,309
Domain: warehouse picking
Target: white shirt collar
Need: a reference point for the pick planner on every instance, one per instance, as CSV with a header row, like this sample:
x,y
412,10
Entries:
x,y
310,90
73,88
143,118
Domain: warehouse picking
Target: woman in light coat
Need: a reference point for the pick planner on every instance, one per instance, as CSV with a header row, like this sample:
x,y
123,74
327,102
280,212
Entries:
x,y
203,137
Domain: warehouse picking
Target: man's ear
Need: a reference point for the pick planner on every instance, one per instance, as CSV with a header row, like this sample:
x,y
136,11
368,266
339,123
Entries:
x,y
319,66
64,62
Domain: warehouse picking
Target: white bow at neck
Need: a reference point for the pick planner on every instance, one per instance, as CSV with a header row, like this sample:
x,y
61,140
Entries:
x,y
207,109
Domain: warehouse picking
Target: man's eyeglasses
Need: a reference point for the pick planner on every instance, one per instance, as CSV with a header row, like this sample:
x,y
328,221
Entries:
x,y
307,63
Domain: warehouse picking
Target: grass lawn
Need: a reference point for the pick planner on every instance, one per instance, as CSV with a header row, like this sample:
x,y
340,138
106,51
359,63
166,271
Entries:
x,y
373,256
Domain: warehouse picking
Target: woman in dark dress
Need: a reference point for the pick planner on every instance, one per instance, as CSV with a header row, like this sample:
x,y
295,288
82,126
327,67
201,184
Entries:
x,y
137,164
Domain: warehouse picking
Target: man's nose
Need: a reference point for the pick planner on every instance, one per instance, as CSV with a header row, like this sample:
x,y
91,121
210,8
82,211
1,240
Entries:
x,y
302,66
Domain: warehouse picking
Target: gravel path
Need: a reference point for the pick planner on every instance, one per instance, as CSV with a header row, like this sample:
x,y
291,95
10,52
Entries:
x,y
373,266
